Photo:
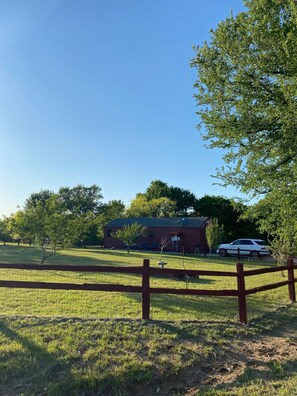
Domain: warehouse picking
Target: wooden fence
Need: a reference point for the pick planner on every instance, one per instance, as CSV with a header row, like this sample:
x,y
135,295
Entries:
x,y
146,290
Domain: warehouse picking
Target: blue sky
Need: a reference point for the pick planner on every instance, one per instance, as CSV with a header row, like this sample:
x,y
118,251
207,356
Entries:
x,y
101,92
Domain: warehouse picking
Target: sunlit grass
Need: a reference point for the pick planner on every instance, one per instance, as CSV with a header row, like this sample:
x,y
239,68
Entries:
x,y
128,305
74,356
58,342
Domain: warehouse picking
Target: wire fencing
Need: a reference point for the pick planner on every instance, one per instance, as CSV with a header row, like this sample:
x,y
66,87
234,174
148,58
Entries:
x,y
180,288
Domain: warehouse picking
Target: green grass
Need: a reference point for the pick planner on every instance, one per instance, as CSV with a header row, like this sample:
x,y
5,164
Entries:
x,y
124,357
285,387
93,343
128,305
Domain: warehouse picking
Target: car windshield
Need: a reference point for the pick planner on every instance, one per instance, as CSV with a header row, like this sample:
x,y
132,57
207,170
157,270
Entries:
x,y
262,243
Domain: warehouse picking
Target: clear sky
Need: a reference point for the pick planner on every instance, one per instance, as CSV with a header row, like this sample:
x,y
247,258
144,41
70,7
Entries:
x,y
101,92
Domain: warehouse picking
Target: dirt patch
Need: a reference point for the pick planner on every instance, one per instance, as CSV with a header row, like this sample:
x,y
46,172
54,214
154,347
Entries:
x,y
263,357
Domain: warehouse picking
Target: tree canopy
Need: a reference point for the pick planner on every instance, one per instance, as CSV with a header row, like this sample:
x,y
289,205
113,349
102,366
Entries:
x,y
180,202
228,214
80,199
246,95
157,189
155,207
48,225
108,211
54,221
36,198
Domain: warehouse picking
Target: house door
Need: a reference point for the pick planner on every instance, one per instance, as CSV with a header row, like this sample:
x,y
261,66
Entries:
x,y
175,243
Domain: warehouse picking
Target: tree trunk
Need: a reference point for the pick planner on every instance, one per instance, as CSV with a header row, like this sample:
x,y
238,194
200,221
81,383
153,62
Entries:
x,y
44,256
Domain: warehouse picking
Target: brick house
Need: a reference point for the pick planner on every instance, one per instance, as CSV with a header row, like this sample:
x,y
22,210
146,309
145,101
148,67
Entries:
x,y
181,234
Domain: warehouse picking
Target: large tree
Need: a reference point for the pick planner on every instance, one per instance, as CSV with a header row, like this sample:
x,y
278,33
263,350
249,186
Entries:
x,y
54,221
157,189
246,93
229,214
108,211
84,204
36,198
183,200
156,207
80,199
49,226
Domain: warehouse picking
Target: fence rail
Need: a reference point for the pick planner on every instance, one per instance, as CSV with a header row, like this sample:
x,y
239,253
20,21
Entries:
x,y
146,271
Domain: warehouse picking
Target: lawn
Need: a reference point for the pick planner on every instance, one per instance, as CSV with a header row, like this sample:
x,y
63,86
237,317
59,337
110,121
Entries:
x,y
128,305
93,343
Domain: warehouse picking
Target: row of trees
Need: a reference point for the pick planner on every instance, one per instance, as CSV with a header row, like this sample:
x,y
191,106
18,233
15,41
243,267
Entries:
x,y
77,215
160,199
54,221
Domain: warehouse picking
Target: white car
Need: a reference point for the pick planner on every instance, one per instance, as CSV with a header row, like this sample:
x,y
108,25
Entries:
x,y
247,247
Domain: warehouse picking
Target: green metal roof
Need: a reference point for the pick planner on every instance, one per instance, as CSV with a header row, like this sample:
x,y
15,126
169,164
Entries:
x,y
184,222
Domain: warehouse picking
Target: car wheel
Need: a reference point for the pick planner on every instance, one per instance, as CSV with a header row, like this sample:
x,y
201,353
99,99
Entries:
x,y
255,254
223,252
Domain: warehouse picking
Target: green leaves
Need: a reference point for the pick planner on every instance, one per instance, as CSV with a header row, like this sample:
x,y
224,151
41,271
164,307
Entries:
x,y
129,234
156,207
161,200
55,221
246,92
214,233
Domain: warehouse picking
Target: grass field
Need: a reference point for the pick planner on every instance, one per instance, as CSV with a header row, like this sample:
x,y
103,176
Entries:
x,y
128,305
93,343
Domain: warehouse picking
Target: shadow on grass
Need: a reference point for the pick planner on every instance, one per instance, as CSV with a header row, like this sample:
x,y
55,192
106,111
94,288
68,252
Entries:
x,y
28,368
166,306
139,255
85,261
32,255
19,254
279,318
190,308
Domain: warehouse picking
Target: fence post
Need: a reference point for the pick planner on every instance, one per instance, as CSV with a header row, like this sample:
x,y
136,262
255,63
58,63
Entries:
x,y
241,293
291,284
146,290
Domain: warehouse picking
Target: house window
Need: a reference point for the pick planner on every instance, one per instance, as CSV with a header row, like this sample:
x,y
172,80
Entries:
x,y
151,235
109,233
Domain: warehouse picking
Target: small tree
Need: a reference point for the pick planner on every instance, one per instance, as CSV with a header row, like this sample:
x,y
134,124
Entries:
x,y
164,242
50,228
129,234
281,250
214,233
